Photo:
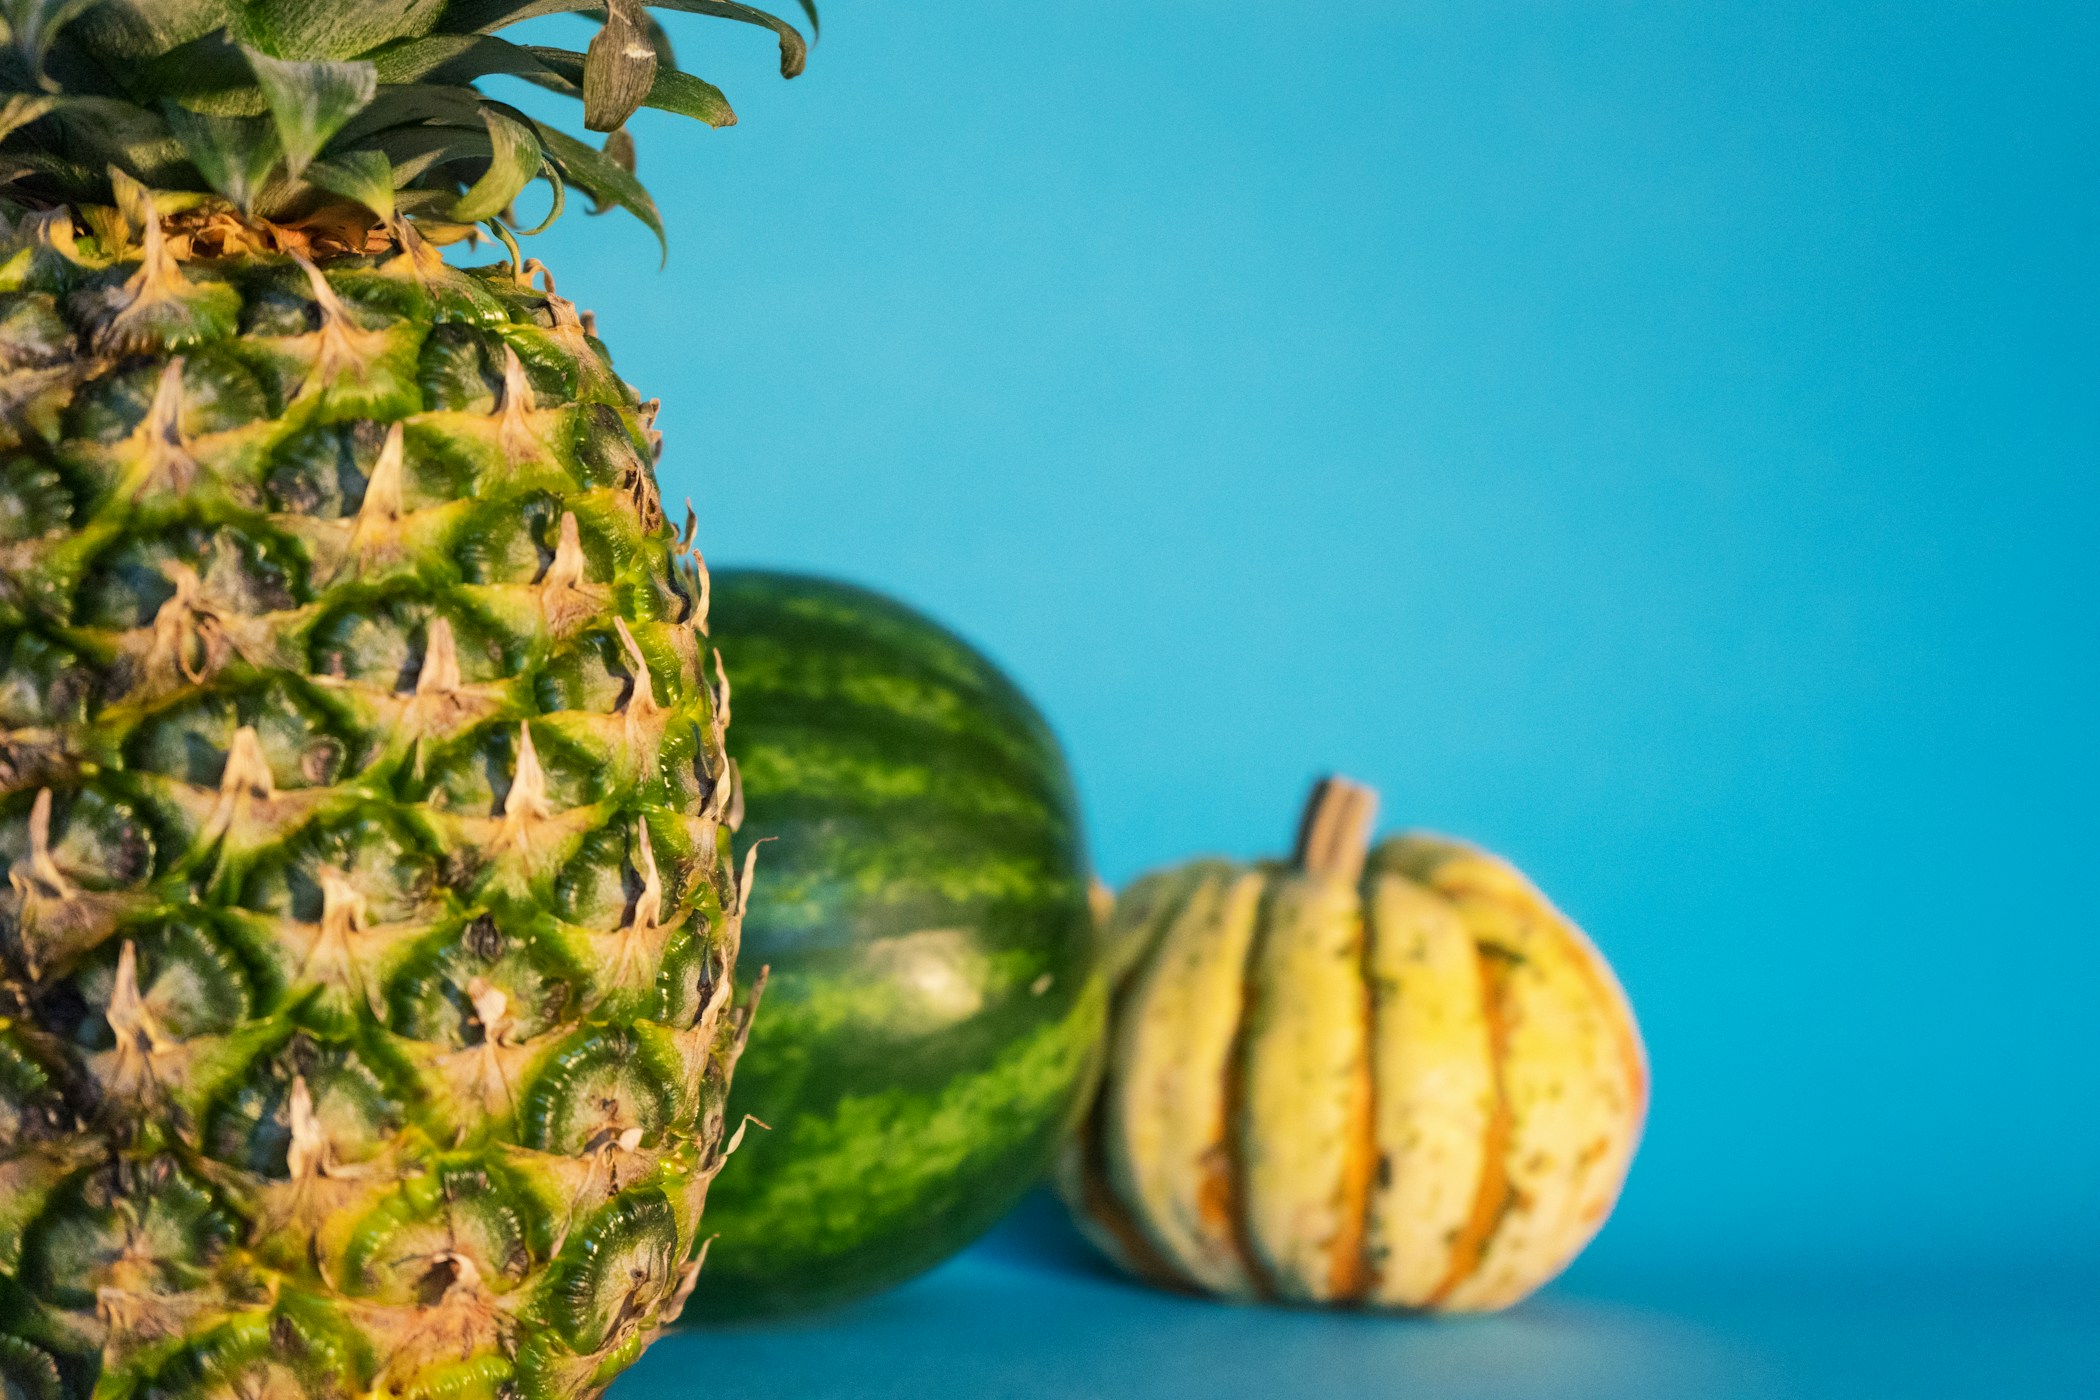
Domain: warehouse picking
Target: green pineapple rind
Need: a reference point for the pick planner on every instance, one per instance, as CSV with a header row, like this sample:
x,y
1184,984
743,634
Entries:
x,y
370,916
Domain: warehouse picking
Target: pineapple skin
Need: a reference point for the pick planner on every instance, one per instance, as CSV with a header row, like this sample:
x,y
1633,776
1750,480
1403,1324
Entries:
x,y
368,937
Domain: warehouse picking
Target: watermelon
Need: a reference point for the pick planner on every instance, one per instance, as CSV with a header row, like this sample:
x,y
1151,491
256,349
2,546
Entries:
x,y
934,1011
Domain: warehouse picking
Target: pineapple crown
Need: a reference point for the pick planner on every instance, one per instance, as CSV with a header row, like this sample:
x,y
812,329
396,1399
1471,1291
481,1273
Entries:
x,y
335,113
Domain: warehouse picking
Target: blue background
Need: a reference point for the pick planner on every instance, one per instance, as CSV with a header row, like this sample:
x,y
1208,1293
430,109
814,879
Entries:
x,y
1656,441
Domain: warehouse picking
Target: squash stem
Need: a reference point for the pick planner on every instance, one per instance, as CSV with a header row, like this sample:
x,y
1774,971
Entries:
x,y
1334,835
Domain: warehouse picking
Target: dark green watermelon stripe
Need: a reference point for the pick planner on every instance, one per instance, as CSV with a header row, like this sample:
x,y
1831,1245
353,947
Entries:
x,y
896,880
813,704
801,762
846,670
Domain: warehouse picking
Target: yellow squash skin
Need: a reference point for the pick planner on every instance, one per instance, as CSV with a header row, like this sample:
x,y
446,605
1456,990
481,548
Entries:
x,y
1167,1112
1395,1078
1434,1069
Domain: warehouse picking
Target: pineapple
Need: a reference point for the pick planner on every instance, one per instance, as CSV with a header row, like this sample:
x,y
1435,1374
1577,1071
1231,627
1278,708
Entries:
x,y
366,946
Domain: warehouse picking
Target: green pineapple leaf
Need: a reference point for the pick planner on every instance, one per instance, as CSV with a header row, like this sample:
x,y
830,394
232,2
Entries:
x,y
310,101
207,74
365,176
320,29
514,159
235,155
31,25
102,131
687,96
453,59
21,109
794,49
414,104
600,176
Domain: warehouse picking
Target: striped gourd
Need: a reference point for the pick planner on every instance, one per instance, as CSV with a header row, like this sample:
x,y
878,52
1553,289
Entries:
x,y
1392,1078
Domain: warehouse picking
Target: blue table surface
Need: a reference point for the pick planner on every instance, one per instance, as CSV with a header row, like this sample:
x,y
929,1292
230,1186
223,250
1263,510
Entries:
x,y
1028,1314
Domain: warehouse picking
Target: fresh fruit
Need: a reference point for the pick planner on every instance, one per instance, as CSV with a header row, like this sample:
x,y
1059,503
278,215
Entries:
x,y
366,945
1407,1082
934,1009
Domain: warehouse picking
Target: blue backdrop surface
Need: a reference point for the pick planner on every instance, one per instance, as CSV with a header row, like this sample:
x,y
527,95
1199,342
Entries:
x,y
1027,1315
1656,441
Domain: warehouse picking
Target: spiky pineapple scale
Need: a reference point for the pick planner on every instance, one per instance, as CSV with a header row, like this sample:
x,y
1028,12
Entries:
x,y
369,923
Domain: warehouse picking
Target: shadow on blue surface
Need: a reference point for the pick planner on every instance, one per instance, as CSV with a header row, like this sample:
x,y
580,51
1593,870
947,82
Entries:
x,y
1028,1314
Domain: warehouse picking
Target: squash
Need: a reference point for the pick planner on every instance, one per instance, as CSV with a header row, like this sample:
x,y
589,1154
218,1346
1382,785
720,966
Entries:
x,y
1392,1078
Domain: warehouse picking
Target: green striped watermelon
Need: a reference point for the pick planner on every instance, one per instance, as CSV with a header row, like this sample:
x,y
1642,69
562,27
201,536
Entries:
x,y
934,1009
